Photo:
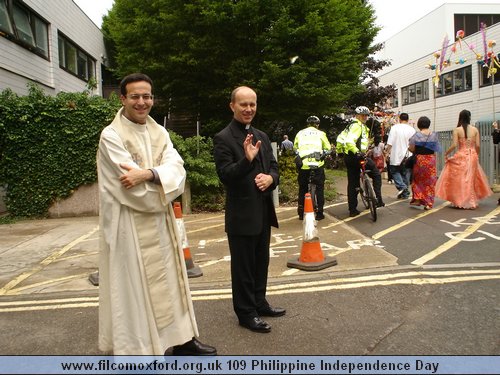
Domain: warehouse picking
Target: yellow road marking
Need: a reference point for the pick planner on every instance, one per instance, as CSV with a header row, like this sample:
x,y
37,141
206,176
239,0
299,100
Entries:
x,y
14,291
424,277
52,257
50,301
313,289
449,244
376,236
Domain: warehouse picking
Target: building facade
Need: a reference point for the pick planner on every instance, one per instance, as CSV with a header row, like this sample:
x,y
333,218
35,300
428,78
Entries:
x,y
51,43
461,84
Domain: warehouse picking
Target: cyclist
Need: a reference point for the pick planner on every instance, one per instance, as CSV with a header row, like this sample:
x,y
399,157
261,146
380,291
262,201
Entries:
x,y
310,144
353,143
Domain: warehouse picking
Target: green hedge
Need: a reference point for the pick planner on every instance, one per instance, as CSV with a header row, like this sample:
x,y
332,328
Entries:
x,y
207,193
48,146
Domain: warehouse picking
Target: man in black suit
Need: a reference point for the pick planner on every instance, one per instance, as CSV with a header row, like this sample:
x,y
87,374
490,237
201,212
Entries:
x,y
246,166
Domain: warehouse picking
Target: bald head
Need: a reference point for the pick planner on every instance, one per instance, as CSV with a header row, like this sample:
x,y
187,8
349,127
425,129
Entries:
x,y
243,104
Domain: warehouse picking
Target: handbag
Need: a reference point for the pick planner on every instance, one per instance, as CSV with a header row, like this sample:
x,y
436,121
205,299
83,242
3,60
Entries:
x,y
408,160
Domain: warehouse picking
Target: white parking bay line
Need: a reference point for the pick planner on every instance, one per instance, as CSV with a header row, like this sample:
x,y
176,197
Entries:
x,y
448,245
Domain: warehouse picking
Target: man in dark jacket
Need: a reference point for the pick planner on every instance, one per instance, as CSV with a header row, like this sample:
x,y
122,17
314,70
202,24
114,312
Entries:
x,y
246,166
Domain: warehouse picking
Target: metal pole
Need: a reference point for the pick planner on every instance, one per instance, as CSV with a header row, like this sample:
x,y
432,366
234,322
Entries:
x,y
276,200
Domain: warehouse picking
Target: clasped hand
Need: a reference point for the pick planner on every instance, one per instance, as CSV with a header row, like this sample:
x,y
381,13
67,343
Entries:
x,y
263,181
133,176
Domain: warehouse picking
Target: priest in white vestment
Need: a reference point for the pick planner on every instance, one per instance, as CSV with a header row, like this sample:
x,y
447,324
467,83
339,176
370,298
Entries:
x,y
145,304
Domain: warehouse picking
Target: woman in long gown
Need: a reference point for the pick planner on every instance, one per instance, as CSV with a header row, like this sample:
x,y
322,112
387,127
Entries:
x,y
463,181
424,144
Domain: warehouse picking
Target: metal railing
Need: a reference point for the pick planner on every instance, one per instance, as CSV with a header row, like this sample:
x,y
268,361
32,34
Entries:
x,y
488,155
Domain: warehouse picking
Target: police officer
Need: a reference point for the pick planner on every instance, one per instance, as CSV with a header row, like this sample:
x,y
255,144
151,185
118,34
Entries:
x,y
353,143
310,144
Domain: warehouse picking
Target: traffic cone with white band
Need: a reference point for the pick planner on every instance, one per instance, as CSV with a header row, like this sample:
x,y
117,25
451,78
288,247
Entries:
x,y
311,256
192,269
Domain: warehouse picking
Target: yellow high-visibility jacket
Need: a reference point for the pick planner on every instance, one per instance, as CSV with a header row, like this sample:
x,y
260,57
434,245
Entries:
x,y
354,138
309,141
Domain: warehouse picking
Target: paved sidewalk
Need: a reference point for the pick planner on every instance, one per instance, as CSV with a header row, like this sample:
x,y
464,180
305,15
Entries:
x,y
57,255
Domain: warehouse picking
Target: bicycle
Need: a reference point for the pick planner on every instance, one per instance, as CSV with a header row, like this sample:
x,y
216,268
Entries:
x,y
366,191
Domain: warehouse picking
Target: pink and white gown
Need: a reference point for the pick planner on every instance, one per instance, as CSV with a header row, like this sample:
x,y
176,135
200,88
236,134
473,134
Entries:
x,y
462,181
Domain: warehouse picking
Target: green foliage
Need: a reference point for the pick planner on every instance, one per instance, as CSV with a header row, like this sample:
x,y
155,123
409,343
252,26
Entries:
x,y
198,51
206,189
48,146
289,188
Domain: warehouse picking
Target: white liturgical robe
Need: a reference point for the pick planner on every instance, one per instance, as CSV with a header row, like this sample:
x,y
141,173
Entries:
x,y
145,303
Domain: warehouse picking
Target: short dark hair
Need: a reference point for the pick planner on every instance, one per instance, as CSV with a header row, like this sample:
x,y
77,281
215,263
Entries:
x,y
134,77
404,116
424,122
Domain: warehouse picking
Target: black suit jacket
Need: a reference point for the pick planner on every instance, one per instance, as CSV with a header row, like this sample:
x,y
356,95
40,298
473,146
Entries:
x,y
245,203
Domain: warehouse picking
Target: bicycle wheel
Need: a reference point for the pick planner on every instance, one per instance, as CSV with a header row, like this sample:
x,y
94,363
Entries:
x,y
363,193
372,199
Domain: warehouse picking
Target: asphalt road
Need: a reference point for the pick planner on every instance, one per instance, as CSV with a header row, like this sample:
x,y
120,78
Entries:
x,y
415,282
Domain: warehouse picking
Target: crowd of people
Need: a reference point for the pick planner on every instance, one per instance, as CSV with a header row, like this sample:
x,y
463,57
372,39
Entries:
x,y
389,143
145,305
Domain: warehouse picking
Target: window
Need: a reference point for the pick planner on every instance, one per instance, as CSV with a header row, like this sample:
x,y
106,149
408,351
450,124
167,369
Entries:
x,y
21,25
393,101
5,24
404,95
415,93
447,83
456,81
471,23
483,77
75,60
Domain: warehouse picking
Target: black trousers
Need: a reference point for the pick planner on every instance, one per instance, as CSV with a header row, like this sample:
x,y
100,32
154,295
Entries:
x,y
353,173
303,181
249,270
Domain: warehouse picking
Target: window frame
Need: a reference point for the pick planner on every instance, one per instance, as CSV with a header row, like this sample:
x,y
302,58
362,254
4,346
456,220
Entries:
x,y
71,56
23,27
470,23
419,89
447,82
484,81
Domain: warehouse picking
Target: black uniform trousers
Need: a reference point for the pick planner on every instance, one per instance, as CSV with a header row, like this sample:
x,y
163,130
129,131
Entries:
x,y
319,180
353,174
249,269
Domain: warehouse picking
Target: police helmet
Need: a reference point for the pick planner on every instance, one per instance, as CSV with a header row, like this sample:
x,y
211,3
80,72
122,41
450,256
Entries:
x,y
362,110
313,120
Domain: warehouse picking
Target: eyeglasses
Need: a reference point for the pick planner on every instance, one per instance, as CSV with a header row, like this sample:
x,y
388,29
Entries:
x,y
145,97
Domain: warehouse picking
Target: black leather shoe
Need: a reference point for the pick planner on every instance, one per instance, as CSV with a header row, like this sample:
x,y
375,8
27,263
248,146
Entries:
x,y
354,213
320,216
256,324
194,347
271,311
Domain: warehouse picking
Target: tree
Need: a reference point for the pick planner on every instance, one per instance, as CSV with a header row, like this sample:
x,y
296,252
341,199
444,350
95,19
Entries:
x,y
373,94
301,56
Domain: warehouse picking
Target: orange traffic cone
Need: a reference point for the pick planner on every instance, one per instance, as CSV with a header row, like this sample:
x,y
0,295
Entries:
x,y
311,256
192,269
